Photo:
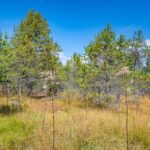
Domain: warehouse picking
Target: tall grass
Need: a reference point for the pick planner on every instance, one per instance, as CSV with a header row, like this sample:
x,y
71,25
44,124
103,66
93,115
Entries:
x,y
13,132
77,127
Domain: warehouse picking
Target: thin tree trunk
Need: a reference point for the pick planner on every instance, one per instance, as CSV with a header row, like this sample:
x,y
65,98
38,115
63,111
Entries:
x,y
127,130
19,90
138,99
43,122
106,88
7,92
53,123
30,89
119,109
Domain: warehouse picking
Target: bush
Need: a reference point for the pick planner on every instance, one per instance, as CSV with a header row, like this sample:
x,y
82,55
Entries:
x,y
13,107
16,106
5,109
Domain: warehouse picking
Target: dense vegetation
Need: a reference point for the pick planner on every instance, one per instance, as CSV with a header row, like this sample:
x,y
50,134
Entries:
x,y
31,51
112,69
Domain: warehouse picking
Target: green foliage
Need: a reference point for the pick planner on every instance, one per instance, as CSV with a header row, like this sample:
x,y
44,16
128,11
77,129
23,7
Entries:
x,y
136,51
106,56
95,72
32,52
34,49
5,58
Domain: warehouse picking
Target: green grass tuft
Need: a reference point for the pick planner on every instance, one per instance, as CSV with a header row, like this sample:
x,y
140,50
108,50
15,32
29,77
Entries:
x,y
14,131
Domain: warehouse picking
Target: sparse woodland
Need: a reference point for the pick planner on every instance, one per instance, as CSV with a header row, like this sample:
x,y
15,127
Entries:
x,y
99,100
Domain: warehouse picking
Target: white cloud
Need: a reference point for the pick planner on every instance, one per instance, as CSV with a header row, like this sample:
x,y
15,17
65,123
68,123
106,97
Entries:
x,y
63,58
148,42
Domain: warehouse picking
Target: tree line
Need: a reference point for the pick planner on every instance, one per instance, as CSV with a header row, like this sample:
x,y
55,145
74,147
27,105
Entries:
x,y
110,66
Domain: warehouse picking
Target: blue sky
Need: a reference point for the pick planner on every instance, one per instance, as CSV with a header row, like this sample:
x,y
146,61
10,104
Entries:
x,y
74,23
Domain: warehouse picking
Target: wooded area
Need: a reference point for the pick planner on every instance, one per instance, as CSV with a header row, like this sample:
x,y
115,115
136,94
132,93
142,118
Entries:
x,y
112,74
30,63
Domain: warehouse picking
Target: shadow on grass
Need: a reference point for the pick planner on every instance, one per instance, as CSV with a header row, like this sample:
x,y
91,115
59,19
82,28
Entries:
x,y
10,109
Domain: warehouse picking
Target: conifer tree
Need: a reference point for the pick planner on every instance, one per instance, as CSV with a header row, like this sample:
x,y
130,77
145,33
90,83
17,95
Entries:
x,y
34,49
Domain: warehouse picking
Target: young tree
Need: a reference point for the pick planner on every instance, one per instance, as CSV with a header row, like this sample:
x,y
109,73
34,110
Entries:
x,y
136,61
136,51
5,62
106,55
34,49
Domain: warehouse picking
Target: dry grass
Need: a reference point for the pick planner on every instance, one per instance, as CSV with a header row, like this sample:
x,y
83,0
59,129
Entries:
x,y
79,127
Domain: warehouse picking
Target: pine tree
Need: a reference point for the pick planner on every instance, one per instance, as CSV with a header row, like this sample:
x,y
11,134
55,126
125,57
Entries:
x,y
34,49
5,62
106,53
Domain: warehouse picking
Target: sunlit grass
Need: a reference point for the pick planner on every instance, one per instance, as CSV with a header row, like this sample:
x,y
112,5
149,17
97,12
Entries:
x,y
14,131
77,127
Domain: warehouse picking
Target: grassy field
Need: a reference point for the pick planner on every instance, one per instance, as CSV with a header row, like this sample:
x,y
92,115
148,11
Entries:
x,y
77,127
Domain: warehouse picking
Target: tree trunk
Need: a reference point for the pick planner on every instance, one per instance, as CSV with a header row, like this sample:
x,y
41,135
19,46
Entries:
x,y
138,99
30,88
6,90
53,124
127,130
19,90
119,109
